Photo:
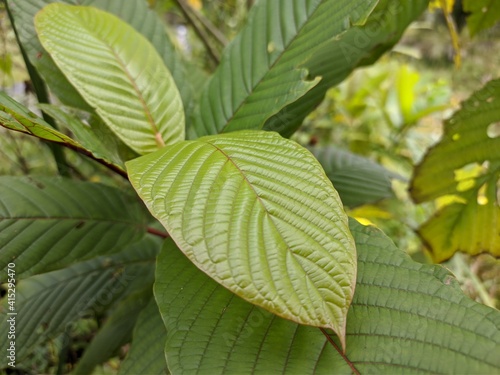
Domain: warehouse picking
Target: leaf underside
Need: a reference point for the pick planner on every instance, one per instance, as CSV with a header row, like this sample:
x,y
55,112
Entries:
x,y
117,71
256,213
405,318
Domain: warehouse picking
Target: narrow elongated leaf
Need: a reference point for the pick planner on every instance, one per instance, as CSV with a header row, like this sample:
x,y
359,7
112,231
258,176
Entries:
x,y
405,318
147,352
466,165
16,117
358,180
262,69
48,304
256,213
48,223
132,90
134,12
359,45
85,134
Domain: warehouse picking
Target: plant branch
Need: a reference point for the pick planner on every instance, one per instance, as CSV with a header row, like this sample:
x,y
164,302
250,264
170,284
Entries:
x,y
186,10
342,354
210,27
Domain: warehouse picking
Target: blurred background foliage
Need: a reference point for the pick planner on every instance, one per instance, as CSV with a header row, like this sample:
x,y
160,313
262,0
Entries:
x,y
390,112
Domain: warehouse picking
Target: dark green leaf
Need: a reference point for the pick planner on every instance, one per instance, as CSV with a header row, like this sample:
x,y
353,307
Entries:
x,y
48,223
358,180
147,352
405,318
264,68
49,304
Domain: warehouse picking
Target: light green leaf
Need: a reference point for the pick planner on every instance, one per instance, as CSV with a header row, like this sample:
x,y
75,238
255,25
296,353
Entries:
x,y
257,214
115,332
405,318
48,305
358,180
134,12
16,117
484,14
101,146
48,223
465,165
146,355
131,90
262,70
362,44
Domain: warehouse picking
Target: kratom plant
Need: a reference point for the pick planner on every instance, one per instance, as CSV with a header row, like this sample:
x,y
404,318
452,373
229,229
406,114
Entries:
x,y
255,267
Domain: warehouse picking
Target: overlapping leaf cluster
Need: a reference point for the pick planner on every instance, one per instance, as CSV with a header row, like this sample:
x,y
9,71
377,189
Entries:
x,y
261,253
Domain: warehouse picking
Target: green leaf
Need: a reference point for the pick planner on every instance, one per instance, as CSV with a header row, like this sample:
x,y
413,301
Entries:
x,y
262,70
87,136
484,14
48,305
16,117
48,223
465,165
257,214
405,318
115,332
134,12
132,90
362,44
146,355
358,180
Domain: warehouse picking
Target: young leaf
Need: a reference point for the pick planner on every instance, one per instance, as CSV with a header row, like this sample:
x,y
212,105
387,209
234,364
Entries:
x,y
48,223
257,214
405,318
465,164
48,304
262,69
132,90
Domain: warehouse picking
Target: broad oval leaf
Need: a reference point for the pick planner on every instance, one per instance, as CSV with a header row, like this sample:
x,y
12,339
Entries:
x,y
405,318
49,223
257,213
117,71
